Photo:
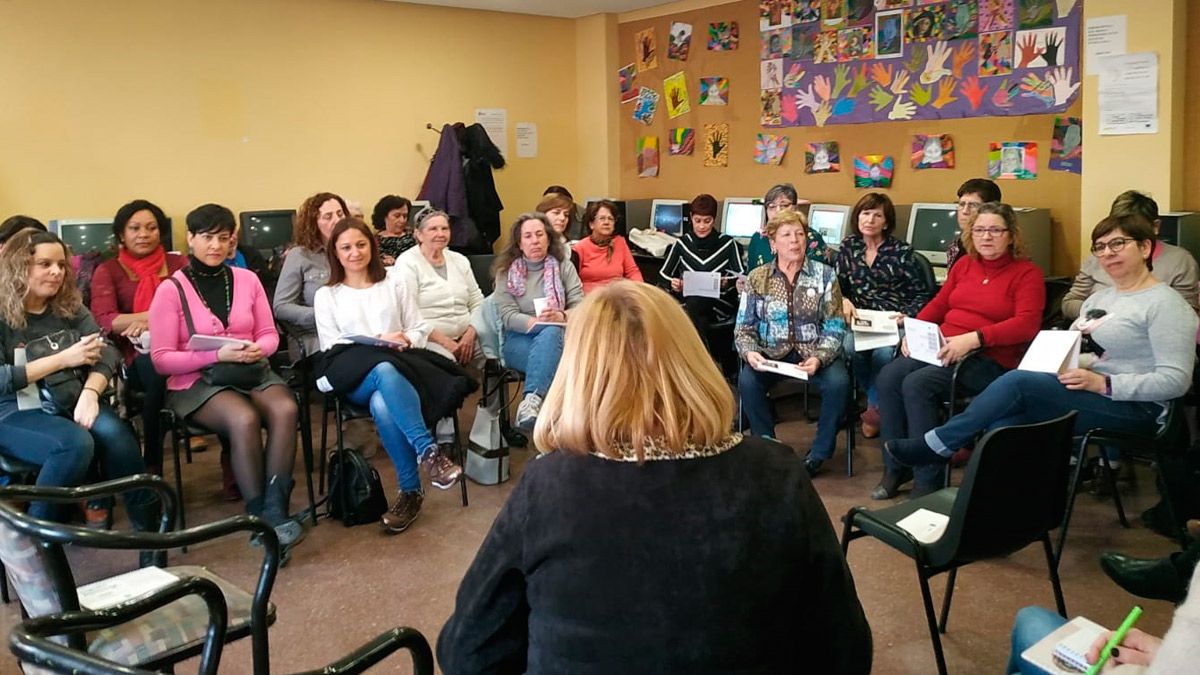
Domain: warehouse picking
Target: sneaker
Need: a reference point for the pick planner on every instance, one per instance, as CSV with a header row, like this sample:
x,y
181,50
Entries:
x,y
443,472
527,411
403,512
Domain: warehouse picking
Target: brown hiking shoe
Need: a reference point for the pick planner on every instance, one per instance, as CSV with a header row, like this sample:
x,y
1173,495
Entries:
x,y
403,512
442,470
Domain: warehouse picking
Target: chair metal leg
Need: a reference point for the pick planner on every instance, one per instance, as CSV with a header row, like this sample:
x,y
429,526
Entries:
x,y
847,527
946,600
324,443
930,618
1072,491
175,441
1055,583
306,447
1111,477
461,451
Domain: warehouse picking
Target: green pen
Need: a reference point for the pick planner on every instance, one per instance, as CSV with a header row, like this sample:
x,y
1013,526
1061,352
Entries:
x,y
1115,640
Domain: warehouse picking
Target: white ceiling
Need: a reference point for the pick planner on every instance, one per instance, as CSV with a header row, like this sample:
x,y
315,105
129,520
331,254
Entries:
x,y
563,8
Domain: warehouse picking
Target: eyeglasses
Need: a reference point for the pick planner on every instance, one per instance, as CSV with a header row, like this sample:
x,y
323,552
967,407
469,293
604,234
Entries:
x,y
989,231
1115,245
969,207
780,205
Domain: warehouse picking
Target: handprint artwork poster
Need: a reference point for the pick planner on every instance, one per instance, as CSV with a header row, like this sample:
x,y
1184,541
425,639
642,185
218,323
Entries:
x,y
1041,48
1014,160
716,144
676,93
646,50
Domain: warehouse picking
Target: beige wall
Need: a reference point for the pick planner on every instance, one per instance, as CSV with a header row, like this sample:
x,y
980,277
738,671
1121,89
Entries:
x,y
259,103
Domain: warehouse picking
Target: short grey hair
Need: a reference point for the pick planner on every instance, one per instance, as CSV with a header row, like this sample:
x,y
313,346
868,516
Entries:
x,y
430,213
782,190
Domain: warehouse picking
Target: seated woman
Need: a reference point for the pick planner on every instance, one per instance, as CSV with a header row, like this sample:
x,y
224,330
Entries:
x,y
51,414
558,209
638,425
362,299
444,288
972,194
575,226
603,257
876,271
231,390
992,302
779,198
792,312
122,289
534,292
14,224
390,218
305,267
1143,333
704,249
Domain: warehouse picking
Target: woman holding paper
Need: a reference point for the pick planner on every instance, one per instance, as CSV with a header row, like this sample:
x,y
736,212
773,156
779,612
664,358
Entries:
x,y
603,257
534,292
704,249
791,312
878,272
1142,334
230,390
991,302
779,198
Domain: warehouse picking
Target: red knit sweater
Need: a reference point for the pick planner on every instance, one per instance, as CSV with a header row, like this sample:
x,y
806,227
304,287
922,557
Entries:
x,y
595,269
1002,298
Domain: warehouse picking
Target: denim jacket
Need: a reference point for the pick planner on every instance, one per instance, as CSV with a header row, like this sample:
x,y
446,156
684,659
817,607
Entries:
x,y
775,318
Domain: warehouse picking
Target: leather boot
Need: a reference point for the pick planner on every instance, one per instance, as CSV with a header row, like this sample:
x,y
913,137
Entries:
x,y
1156,579
145,517
275,511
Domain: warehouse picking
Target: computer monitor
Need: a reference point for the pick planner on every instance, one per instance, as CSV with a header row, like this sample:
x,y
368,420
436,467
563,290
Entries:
x,y
267,230
84,235
829,220
622,227
414,213
1180,229
742,216
669,216
931,228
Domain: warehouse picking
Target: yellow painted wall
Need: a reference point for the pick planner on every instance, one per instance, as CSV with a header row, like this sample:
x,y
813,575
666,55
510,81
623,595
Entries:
x,y
259,103
597,125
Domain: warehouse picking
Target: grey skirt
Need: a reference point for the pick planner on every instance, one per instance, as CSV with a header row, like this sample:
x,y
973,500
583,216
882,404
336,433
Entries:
x,y
187,401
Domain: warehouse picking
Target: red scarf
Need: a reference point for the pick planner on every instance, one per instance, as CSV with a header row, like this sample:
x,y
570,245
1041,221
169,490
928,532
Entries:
x,y
145,271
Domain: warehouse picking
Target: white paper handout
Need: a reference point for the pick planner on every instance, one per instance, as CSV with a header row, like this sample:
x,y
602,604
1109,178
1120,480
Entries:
x,y
124,587
783,368
1103,36
375,341
702,284
27,398
539,306
1128,97
874,329
211,343
924,340
1052,351
924,525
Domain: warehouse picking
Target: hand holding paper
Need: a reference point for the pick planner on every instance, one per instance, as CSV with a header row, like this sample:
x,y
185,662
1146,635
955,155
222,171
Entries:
x,y
924,340
702,284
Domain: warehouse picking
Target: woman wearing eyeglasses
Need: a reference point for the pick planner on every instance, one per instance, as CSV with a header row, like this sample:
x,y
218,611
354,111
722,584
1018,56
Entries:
x,y
971,195
783,197
992,301
1142,334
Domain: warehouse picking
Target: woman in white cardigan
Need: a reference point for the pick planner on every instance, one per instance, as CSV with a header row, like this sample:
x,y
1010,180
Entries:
x,y
444,288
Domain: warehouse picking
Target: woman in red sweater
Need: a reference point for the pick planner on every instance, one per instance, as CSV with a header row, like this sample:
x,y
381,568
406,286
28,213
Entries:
x,y
604,256
992,301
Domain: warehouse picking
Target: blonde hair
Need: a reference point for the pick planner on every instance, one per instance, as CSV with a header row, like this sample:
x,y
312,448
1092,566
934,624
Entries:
x,y
788,217
632,374
15,260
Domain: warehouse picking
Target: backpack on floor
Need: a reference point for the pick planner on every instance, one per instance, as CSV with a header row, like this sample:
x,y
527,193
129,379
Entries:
x,y
355,494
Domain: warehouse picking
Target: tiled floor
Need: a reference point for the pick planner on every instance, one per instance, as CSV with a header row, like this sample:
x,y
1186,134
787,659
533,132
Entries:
x,y
345,585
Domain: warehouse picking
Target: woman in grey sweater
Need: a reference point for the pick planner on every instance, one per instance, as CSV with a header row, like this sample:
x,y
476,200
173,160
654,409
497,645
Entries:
x,y
305,267
534,290
1141,335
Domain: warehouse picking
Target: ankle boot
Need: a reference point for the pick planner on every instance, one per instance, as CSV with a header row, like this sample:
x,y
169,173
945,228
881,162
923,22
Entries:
x,y
145,517
275,511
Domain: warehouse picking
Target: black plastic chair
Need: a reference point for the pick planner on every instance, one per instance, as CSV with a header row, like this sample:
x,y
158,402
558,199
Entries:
x,y
481,267
1013,494
927,274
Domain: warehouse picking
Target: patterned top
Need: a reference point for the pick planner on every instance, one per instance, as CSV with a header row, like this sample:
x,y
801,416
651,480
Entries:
x,y
656,450
776,318
759,253
715,253
393,246
954,251
893,283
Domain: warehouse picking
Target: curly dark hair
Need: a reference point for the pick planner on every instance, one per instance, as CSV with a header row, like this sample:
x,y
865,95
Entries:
x,y
305,228
512,250
386,205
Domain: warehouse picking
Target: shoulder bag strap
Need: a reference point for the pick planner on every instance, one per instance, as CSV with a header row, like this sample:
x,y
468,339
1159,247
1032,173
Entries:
x,y
187,311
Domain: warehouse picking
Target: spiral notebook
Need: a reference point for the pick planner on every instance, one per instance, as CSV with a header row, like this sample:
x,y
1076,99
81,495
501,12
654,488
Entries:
x,y
1065,650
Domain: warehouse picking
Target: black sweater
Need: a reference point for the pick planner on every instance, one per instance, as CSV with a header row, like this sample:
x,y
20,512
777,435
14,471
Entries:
x,y
12,378
715,564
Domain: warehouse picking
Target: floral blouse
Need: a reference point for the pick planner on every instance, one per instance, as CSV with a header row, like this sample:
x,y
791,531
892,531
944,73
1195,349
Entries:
x,y
953,252
759,252
893,283
776,317
394,246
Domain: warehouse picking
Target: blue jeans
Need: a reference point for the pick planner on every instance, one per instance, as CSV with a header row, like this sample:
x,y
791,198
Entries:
x,y
1031,625
831,381
867,365
396,409
1023,397
535,354
64,451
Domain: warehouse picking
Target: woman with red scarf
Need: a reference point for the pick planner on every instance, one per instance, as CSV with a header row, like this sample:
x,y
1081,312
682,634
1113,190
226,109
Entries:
x,y
122,289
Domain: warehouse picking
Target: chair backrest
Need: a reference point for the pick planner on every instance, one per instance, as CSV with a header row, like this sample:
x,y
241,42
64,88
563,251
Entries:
x,y
481,266
38,572
926,273
1014,491
1052,315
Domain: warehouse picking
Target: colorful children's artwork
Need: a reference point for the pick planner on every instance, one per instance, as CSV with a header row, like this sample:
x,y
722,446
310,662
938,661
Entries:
x,y
679,41
806,11
924,23
961,20
770,149
774,14
854,43
995,15
833,12
889,34
933,151
803,37
1013,160
822,157
647,156
776,44
714,91
716,144
682,141
995,54
772,107
873,171
792,77
676,93
1035,13
892,4
626,77
825,47
723,36
771,74
647,50
1066,149
646,106
1041,47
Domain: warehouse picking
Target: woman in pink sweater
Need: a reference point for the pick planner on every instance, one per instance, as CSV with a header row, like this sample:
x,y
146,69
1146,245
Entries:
x,y
232,390
604,256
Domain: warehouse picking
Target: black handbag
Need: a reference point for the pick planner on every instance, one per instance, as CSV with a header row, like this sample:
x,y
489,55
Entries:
x,y
222,374
62,387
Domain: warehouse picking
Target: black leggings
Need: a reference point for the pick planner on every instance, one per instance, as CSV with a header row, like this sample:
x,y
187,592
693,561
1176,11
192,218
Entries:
x,y
240,418
154,389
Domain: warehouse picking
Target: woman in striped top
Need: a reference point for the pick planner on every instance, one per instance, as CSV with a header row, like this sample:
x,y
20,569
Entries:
x,y
704,249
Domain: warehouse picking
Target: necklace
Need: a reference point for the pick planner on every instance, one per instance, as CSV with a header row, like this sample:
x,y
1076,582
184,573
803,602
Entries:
x,y
225,274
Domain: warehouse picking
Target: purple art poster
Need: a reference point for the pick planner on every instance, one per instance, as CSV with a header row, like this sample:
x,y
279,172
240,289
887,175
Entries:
x,y
971,58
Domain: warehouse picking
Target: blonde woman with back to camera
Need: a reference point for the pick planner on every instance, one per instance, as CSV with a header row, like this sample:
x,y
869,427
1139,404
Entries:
x,y
637,544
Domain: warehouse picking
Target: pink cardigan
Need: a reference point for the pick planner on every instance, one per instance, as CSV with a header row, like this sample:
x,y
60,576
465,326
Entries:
x,y
249,319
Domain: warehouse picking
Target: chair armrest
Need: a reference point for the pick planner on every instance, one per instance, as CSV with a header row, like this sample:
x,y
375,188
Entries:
x,y
30,642
108,488
380,648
